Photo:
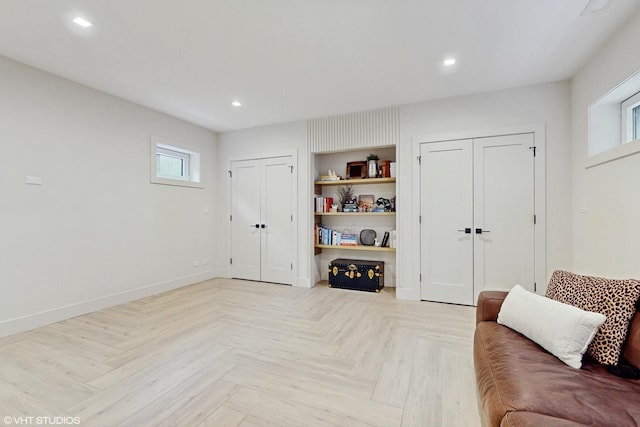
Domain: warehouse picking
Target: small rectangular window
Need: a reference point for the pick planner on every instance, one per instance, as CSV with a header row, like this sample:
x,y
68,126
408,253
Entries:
x,y
174,163
614,123
636,122
630,114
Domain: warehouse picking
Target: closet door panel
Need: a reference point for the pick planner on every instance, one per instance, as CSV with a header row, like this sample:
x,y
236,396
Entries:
x,y
446,198
245,211
504,210
277,243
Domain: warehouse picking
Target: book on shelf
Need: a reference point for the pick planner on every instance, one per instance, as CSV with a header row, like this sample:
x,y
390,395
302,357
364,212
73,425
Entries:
x,y
385,165
328,201
385,240
327,236
393,239
336,237
350,207
323,204
348,240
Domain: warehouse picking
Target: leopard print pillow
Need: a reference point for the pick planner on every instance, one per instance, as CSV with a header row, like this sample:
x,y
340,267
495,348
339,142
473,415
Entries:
x,y
616,299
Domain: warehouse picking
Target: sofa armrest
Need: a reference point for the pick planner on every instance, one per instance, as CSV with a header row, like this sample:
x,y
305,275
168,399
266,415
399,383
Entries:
x,y
489,303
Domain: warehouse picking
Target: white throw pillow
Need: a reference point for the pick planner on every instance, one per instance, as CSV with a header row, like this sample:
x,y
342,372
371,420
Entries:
x,y
563,330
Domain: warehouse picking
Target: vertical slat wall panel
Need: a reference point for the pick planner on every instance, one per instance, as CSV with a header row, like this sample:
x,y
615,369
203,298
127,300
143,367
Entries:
x,y
352,131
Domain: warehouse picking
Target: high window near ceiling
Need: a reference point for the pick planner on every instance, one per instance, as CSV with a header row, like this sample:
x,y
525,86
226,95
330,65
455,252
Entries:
x,y
614,123
630,113
174,163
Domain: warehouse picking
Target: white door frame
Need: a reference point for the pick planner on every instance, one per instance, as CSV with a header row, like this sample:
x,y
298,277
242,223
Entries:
x,y
294,198
539,136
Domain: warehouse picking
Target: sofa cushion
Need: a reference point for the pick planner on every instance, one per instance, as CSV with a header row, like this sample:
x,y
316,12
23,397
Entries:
x,y
514,374
562,329
616,299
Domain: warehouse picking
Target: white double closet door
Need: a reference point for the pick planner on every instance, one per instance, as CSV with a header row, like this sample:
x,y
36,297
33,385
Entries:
x,y
477,217
262,220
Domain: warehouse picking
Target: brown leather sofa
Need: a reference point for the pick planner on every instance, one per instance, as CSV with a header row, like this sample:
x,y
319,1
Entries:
x,y
520,384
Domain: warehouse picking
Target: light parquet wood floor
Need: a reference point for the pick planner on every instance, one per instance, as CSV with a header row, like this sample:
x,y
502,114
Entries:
x,y
237,353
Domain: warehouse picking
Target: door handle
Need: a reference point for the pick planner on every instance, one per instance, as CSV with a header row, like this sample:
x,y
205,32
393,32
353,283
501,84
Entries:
x,y
465,231
254,225
480,231
261,226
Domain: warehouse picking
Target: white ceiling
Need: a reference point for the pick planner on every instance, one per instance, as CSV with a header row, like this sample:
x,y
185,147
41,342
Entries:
x,y
288,60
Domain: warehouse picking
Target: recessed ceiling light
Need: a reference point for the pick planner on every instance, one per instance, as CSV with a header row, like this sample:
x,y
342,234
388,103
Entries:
x,y
236,104
449,62
82,22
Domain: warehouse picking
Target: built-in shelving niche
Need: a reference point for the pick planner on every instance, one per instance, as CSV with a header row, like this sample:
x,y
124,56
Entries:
x,y
380,222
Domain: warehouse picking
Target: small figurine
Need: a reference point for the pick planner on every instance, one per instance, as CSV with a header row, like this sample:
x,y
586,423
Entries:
x,y
383,205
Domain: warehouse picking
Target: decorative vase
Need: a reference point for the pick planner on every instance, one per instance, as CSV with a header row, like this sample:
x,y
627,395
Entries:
x,y
372,168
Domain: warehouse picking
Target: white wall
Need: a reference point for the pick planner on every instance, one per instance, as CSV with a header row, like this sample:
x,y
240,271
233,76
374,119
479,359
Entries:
x,y
606,205
263,142
96,233
546,104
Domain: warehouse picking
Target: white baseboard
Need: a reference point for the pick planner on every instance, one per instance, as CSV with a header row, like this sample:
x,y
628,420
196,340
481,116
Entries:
x,y
32,321
299,282
408,294
303,282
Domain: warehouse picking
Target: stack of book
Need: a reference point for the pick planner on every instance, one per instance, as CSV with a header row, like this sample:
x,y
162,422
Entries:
x,y
385,165
348,240
389,239
327,236
393,239
350,207
323,204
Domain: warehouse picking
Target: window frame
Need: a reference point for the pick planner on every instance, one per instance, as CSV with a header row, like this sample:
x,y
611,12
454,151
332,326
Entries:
x,y
192,162
181,155
630,126
607,123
